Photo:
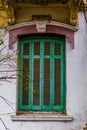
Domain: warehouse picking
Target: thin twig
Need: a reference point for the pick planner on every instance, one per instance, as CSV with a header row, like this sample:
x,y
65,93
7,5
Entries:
x,y
4,124
2,48
7,102
9,70
6,77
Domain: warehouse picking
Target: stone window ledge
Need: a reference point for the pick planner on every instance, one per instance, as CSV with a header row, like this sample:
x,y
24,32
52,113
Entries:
x,y
41,117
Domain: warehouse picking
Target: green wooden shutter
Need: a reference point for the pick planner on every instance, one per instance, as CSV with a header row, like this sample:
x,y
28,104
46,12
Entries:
x,y
41,75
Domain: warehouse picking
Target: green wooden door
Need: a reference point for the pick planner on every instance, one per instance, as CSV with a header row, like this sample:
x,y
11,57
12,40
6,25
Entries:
x,y
41,79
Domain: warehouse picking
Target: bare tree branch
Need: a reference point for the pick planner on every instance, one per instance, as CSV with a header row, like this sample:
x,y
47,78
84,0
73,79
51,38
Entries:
x,y
7,102
4,124
8,68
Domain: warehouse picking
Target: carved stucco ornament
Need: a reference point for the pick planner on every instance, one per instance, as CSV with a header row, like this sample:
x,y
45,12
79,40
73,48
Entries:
x,y
74,12
6,14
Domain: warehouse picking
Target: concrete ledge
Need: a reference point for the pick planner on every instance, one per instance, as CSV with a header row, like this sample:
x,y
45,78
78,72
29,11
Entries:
x,y
41,117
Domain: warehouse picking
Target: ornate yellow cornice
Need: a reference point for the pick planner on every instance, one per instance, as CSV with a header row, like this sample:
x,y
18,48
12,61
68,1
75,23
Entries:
x,y
6,14
64,13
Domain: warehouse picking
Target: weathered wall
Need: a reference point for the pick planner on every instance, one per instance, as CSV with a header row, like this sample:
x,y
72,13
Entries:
x,y
76,83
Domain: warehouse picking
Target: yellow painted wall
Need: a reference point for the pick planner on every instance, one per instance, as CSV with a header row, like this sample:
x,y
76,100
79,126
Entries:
x,y
19,13
58,13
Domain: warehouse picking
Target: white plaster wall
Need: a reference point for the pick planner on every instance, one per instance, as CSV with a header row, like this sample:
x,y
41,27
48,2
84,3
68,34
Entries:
x,y
76,83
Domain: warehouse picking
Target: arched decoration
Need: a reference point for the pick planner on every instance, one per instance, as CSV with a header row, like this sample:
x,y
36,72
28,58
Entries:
x,y
51,28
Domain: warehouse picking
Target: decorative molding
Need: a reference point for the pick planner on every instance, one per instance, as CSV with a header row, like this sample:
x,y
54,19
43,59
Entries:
x,y
6,14
74,12
41,18
73,28
51,28
74,16
41,26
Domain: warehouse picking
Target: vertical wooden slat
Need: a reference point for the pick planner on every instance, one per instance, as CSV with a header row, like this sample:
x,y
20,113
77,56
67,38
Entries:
x,y
63,85
20,65
41,72
46,81
57,88
46,73
31,73
36,80
52,74
25,76
25,88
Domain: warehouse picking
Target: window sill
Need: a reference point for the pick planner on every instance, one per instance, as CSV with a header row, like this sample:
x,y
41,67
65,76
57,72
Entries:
x,y
41,117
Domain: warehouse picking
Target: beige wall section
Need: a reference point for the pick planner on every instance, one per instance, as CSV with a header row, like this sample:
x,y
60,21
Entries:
x,y
59,13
